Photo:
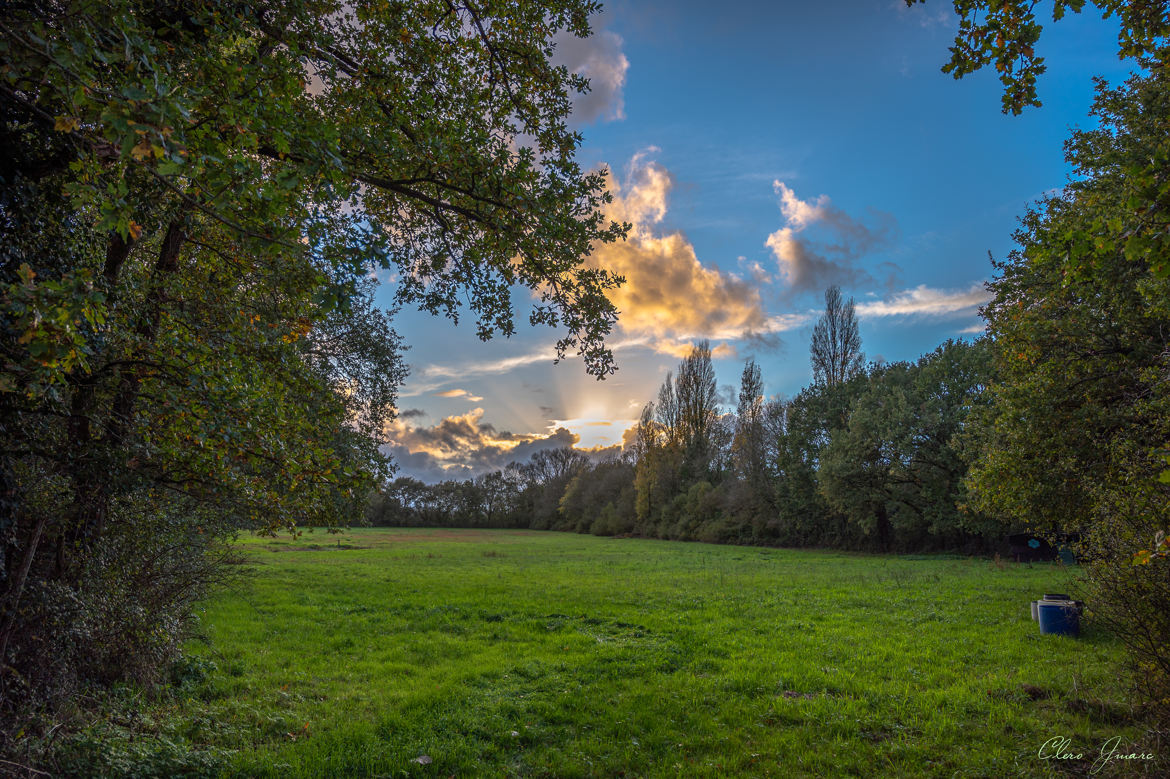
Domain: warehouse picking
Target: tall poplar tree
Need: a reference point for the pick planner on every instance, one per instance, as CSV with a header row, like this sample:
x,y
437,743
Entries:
x,y
836,343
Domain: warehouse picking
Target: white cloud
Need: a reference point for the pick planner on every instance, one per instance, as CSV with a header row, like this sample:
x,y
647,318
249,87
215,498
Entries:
x,y
799,213
809,265
924,301
598,58
427,379
782,322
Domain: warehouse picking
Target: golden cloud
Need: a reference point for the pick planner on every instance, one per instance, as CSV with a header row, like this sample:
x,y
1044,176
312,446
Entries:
x,y
670,298
464,445
459,393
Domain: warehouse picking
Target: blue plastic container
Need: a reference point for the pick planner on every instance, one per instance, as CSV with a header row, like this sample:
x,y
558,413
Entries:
x,y
1059,618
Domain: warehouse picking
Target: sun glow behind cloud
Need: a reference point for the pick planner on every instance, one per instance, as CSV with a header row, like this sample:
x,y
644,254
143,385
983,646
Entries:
x,y
594,432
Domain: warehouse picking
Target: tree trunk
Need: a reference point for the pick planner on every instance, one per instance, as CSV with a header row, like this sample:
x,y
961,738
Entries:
x,y
91,475
883,527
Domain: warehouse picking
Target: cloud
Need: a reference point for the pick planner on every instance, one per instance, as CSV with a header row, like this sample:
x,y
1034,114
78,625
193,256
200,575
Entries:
x,y
464,446
924,301
410,413
800,214
428,378
670,298
459,393
809,265
598,58
782,322
595,434
926,18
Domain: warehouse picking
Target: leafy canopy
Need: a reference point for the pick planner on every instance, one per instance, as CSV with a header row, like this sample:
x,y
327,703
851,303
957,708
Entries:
x,y
1005,34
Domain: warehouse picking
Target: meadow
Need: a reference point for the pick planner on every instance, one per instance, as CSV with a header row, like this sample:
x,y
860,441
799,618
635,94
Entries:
x,y
416,652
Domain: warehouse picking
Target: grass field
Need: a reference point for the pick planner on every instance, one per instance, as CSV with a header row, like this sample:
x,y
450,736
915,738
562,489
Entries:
x,y
481,653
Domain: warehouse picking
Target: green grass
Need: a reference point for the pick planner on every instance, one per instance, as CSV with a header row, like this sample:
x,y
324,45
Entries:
x,y
542,654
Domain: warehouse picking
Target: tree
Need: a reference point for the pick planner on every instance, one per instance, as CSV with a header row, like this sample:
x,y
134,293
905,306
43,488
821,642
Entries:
x,y
748,445
600,499
666,412
499,492
896,469
190,196
1081,408
856,473
677,438
698,406
836,344
658,459
1008,32
547,474
811,420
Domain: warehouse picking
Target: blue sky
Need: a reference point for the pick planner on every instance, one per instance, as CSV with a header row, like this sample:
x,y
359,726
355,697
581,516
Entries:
x,y
762,151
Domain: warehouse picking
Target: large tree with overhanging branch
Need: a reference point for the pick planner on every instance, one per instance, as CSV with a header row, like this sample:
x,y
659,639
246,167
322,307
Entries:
x,y
1077,437
192,198
1074,438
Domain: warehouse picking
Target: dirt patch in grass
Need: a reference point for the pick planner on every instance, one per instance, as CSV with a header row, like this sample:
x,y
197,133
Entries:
x,y
315,547
451,534
808,696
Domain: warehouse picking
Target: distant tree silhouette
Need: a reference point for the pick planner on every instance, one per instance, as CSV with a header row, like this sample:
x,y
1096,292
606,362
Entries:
x,y
836,345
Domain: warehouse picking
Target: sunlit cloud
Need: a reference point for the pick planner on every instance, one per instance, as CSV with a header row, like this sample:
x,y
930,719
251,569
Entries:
x,y
459,393
670,298
924,301
594,433
464,445
682,348
812,265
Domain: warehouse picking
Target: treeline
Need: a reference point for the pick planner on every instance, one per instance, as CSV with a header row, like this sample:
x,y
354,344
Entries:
x,y
1057,421
867,457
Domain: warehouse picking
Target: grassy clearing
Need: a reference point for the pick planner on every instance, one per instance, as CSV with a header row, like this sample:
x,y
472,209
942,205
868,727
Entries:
x,y
541,654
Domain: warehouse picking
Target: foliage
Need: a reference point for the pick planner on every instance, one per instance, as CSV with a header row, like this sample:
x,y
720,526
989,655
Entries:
x,y
810,421
680,443
748,453
600,499
192,198
1007,34
874,462
899,464
1081,406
